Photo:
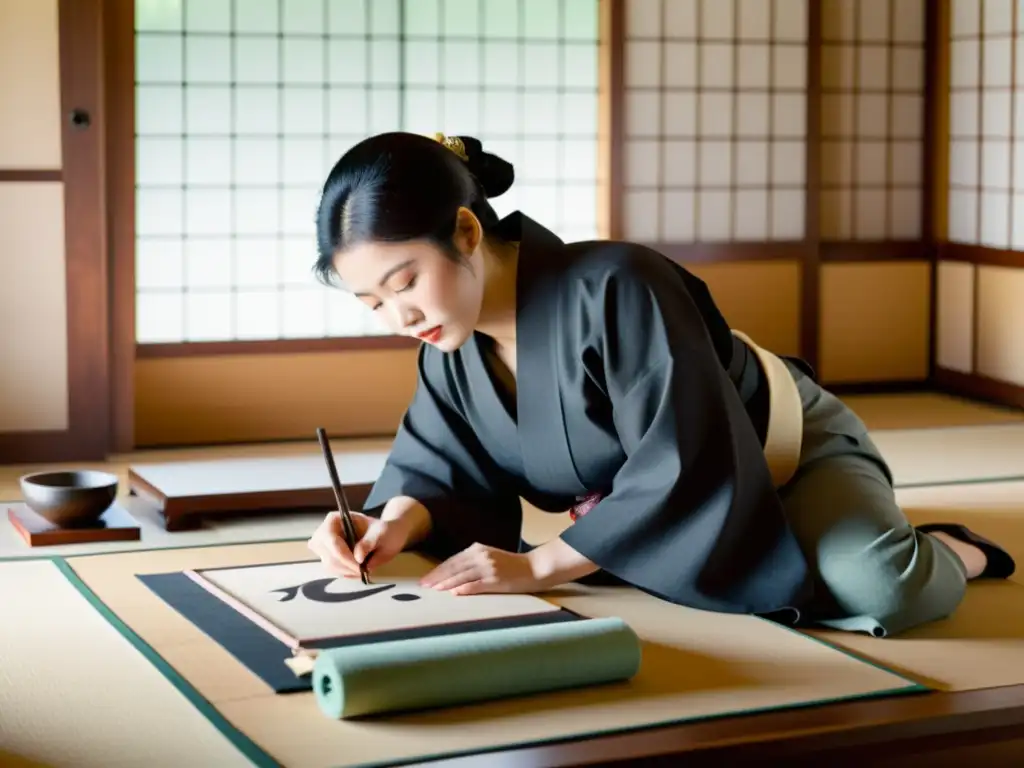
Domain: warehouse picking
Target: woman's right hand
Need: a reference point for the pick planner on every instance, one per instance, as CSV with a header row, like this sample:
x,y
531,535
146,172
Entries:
x,y
383,538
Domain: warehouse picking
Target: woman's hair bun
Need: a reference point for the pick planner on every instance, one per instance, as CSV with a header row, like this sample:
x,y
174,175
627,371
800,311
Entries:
x,y
400,186
494,173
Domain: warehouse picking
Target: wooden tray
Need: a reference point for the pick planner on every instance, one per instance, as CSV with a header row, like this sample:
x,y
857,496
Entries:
x,y
182,491
116,524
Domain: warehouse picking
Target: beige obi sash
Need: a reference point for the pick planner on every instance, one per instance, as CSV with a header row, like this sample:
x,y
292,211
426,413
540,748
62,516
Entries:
x,y
785,424
785,416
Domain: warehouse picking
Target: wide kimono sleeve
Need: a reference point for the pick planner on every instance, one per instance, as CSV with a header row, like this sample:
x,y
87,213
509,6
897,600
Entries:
x,y
437,459
692,515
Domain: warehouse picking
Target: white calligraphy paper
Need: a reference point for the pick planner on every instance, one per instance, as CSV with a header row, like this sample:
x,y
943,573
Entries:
x,y
302,602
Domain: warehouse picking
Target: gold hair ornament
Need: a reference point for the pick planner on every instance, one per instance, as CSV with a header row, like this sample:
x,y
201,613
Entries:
x,y
454,143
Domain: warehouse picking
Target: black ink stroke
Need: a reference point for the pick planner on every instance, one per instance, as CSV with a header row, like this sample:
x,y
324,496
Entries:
x,y
289,593
316,591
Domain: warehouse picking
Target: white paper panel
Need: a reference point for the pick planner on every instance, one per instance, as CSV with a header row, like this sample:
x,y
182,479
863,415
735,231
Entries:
x,y
1017,223
243,107
33,307
715,120
965,18
908,21
905,211
790,20
873,119
30,85
986,123
995,219
963,215
998,17
995,165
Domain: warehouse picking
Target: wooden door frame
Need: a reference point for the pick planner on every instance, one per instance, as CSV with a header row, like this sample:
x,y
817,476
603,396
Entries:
x,y
119,86
83,175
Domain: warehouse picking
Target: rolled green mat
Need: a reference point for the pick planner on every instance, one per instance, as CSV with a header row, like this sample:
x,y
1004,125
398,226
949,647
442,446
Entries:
x,y
422,673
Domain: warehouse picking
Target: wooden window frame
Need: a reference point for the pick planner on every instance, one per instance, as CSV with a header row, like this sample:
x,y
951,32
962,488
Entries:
x,y
120,88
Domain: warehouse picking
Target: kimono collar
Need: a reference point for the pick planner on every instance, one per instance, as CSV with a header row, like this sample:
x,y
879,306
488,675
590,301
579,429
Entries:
x,y
517,226
540,353
541,253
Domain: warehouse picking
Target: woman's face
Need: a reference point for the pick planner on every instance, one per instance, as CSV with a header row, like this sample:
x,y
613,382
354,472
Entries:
x,y
418,290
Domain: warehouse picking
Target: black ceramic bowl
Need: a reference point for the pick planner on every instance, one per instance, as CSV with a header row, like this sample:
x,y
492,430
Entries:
x,y
68,499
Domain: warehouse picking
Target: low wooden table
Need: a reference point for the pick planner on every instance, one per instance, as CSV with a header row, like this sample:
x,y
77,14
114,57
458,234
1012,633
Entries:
x,y
182,491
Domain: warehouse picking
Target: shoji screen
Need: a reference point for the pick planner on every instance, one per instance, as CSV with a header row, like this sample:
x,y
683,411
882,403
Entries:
x,y
981,280
715,120
244,105
715,123
872,119
875,282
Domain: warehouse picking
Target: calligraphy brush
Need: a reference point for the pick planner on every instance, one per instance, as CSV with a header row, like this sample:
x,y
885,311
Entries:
x,y
339,495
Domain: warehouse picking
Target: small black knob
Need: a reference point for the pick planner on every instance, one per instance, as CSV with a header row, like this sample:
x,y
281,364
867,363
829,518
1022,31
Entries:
x,y
80,118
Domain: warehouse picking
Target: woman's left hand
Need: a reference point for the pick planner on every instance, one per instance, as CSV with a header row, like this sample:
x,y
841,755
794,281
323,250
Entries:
x,y
480,568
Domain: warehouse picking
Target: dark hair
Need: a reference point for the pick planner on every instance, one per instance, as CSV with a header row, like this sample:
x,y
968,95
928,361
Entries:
x,y
402,186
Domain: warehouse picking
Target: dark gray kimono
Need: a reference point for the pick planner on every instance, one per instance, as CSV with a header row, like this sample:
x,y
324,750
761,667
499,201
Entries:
x,y
629,384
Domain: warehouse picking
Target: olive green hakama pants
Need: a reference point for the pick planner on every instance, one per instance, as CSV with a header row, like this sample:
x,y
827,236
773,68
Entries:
x,y
873,571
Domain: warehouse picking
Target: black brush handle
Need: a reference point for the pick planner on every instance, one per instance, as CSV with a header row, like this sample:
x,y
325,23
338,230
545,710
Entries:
x,y
339,495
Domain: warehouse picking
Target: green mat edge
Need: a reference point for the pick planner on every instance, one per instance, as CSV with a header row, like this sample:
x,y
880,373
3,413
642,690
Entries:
x,y
915,686
263,759
993,480
127,550
238,739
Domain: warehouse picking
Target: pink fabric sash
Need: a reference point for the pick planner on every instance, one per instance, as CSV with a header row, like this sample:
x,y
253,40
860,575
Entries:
x,y
584,504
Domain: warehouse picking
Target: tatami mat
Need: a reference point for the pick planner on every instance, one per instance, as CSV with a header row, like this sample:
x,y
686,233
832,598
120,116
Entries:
x,y
695,666
74,692
926,410
982,644
954,454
